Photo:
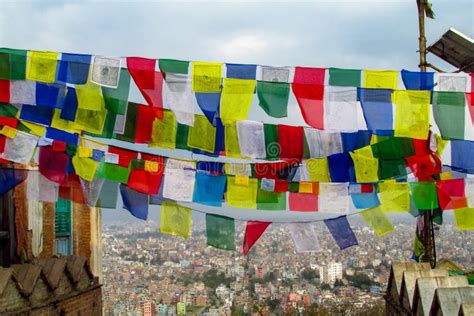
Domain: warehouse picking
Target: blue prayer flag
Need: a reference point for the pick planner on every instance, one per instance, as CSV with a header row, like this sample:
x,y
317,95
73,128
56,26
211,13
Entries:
x,y
63,136
241,71
341,232
51,95
378,110
209,104
356,140
209,189
365,200
462,153
135,202
341,167
69,108
10,178
37,114
74,68
415,80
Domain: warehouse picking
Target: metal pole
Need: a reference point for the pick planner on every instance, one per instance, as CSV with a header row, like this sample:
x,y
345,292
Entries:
x,y
428,230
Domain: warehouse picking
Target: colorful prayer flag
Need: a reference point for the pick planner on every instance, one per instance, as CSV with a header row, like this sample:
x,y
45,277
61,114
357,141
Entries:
x,y
220,232
341,232
464,218
242,196
106,71
175,220
412,117
236,99
394,196
42,66
273,97
135,202
449,113
304,237
207,76
379,222
308,88
381,79
253,231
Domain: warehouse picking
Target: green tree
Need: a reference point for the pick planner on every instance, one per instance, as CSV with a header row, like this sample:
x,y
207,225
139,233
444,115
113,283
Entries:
x,y
309,274
325,286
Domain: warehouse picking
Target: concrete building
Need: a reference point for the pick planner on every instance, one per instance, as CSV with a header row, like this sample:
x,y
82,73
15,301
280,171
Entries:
x,y
330,273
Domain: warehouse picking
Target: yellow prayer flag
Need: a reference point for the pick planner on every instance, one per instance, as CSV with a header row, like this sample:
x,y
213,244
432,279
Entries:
x,y
232,148
440,144
85,167
163,133
445,175
8,131
89,96
42,66
306,187
464,218
84,152
412,117
151,166
379,222
241,180
202,135
365,165
380,79
394,196
35,129
242,196
236,99
175,220
207,76
62,124
90,121
318,169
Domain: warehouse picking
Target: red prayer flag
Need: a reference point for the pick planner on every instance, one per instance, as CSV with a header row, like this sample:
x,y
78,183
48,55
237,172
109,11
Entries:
x,y
148,81
8,121
253,231
291,140
421,146
53,164
281,186
59,146
145,118
308,88
71,189
303,202
4,91
367,188
424,167
451,194
125,156
145,181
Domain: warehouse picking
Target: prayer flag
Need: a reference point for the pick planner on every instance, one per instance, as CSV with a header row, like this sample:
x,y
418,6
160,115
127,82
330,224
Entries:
x,y
253,231
449,112
273,97
451,194
89,97
345,77
272,145
52,95
308,88
464,218
322,144
291,140
242,196
106,71
10,178
113,172
128,131
425,167
269,200
22,92
42,66
12,64
164,131
378,110
412,118
365,200
52,164
381,79
39,188
37,114
453,82
209,189
74,68
341,232
340,109
175,220
415,80
179,180
304,237
333,198
379,222
303,202
366,166
232,148
236,99
341,168
251,139
394,196
145,120
209,105
356,140
462,153
116,99
173,66
108,195
317,169
424,195
135,202
69,108
147,180
4,91
91,190
220,232
240,71
85,167
393,148
21,148
207,76
179,97
202,135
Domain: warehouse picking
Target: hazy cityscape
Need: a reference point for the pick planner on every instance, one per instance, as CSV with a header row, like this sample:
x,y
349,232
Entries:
x,y
147,273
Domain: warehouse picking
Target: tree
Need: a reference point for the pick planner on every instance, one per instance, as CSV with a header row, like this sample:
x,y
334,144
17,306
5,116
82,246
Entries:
x,y
309,274
325,286
273,304
338,283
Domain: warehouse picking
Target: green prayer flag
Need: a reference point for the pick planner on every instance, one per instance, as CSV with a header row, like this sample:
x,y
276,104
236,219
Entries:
x,y
392,169
393,148
220,232
6,109
108,195
108,131
130,124
424,195
449,113
271,141
116,99
438,216
113,172
270,201
293,187
173,66
377,219
12,64
273,97
344,77
71,149
182,137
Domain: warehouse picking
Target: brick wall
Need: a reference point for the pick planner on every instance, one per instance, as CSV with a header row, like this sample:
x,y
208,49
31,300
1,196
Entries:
x,y
49,248
81,218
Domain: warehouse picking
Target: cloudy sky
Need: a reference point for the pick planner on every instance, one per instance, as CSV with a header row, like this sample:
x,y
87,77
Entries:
x,y
357,34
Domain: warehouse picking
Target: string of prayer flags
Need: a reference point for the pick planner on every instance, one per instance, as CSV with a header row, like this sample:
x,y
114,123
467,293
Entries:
x,y
413,113
451,194
378,110
304,237
340,109
147,179
453,82
242,191
202,135
91,190
41,66
135,202
10,178
220,232
322,144
106,71
209,189
175,220
379,222
394,196
333,198
381,79
207,77
462,153
12,64
291,140
341,232
74,68
179,180
236,99
424,195
253,231
251,139
209,105
303,202
415,80
163,133
116,99
345,77
464,218
173,66
273,97
179,98
241,71
148,81
449,112
308,88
